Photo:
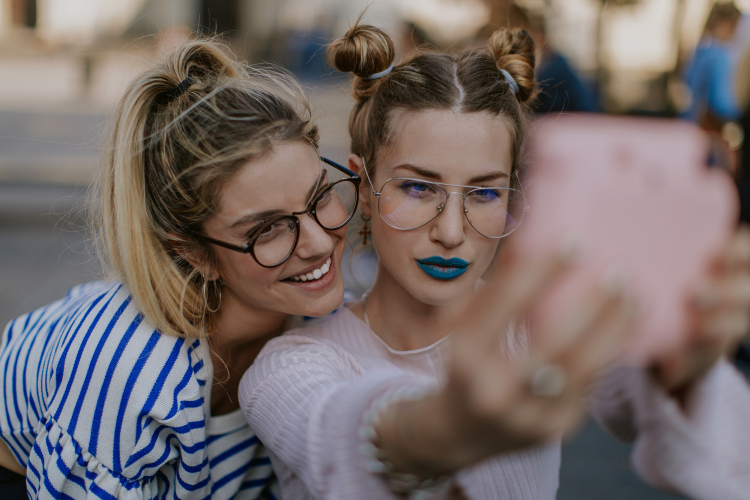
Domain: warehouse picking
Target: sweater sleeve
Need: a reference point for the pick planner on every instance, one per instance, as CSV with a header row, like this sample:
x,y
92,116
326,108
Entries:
x,y
700,450
306,399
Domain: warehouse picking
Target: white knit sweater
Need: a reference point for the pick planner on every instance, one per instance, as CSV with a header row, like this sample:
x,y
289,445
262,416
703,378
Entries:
x,y
306,393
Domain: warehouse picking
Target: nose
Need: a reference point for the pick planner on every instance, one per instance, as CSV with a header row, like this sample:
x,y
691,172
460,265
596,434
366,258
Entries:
x,y
314,241
448,227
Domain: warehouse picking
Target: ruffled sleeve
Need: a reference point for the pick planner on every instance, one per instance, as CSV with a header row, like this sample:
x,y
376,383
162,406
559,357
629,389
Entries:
x,y
123,414
700,450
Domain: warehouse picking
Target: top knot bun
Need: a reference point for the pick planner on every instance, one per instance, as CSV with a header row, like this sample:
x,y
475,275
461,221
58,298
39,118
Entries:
x,y
364,50
515,52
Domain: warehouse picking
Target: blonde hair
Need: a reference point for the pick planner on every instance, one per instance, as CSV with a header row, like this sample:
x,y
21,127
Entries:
x,y
167,157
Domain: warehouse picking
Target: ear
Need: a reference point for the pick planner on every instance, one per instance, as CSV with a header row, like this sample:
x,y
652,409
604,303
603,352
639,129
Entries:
x,y
193,254
365,188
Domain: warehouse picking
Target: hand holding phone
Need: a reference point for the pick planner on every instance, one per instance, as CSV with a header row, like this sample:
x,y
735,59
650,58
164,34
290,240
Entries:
x,y
638,195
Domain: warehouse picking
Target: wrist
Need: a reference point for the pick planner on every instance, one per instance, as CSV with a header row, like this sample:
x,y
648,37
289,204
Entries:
x,y
424,437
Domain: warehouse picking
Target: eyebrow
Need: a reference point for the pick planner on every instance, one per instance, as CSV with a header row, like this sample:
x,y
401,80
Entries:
x,y
276,212
429,174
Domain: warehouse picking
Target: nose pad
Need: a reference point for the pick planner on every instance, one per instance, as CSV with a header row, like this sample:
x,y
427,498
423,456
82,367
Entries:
x,y
449,227
314,241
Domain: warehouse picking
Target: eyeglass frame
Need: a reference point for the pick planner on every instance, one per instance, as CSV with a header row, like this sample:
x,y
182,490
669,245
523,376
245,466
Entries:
x,y
526,206
249,247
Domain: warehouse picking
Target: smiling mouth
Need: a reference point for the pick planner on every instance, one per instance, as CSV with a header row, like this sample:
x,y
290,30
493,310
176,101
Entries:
x,y
313,275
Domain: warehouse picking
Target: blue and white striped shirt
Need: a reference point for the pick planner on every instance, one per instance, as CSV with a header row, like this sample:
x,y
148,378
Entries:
x,y
98,404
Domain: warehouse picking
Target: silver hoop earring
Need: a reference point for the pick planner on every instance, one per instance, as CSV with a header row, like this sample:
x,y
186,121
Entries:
x,y
205,296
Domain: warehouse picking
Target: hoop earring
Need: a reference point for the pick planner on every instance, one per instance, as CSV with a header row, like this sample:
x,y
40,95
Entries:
x,y
365,230
205,296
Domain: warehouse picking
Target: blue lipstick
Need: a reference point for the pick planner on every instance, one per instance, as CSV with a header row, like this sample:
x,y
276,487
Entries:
x,y
443,269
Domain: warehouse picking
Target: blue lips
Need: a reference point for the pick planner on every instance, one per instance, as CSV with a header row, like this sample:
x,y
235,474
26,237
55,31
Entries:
x,y
443,269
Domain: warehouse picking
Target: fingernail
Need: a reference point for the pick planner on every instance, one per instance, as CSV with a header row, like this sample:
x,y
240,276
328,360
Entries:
x,y
571,247
612,283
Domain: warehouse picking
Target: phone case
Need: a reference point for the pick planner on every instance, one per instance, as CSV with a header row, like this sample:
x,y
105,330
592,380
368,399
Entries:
x,y
638,193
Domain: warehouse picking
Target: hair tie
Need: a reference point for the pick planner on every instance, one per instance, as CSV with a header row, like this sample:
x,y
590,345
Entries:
x,y
511,81
180,89
383,73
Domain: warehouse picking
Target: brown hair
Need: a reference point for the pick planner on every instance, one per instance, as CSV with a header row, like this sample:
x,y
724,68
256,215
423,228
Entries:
x,y
722,12
168,155
470,81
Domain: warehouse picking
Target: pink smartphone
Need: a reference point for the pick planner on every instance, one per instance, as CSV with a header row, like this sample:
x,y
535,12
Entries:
x,y
638,193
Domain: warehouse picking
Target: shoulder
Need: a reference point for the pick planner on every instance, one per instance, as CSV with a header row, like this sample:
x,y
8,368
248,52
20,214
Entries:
x,y
114,373
310,352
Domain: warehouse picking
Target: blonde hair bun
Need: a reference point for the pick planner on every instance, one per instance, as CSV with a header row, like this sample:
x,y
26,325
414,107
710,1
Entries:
x,y
363,50
515,52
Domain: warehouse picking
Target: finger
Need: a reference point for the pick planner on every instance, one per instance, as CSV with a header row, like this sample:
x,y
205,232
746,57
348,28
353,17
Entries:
x,y
602,343
731,293
554,339
736,254
729,327
513,290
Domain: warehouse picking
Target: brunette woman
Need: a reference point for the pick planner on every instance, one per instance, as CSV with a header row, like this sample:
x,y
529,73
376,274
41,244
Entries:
x,y
379,402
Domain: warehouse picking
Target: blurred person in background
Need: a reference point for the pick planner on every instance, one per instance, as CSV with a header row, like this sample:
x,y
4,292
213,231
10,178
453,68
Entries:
x,y
709,76
378,402
216,220
561,87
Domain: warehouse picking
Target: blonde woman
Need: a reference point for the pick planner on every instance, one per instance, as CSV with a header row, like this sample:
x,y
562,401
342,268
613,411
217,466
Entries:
x,y
217,220
431,388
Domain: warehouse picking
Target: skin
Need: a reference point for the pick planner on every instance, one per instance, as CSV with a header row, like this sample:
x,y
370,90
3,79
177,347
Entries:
x,y
257,301
439,147
486,406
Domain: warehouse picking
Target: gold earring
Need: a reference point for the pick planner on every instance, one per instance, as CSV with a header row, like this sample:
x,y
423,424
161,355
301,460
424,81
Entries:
x,y
365,230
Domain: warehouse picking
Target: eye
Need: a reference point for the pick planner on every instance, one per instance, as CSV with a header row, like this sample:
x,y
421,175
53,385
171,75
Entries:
x,y
486,195
272,230
324,197
418,189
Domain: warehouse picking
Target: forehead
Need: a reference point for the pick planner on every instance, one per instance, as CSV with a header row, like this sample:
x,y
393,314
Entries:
x,y
457,145
280,179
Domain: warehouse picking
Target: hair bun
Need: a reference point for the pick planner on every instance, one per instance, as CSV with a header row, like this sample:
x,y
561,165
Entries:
x,y
364,50
514,51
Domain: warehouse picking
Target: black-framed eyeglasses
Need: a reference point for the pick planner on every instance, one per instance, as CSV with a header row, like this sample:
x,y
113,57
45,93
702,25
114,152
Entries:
x,y
274,241
494,212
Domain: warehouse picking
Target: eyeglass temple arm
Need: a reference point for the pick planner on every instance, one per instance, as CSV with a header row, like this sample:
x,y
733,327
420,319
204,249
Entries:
x,y
364,167
340,167
526,205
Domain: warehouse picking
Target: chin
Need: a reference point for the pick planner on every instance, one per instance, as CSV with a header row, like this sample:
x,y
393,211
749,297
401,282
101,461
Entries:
x,y
443,293
324,305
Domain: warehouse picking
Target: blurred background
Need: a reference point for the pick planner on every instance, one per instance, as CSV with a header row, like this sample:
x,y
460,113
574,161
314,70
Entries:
x,y
63,64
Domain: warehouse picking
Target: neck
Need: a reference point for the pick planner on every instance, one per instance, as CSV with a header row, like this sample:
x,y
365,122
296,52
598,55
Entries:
x,y
400,319
240,335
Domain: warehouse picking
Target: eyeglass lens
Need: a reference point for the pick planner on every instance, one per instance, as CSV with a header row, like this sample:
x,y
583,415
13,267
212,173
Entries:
x,y
409,204
333,207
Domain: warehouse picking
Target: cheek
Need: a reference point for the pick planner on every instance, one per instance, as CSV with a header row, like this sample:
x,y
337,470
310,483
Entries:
x,y
240,271
486,250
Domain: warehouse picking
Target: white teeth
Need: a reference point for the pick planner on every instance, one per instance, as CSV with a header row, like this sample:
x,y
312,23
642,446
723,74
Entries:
x,y
316,274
